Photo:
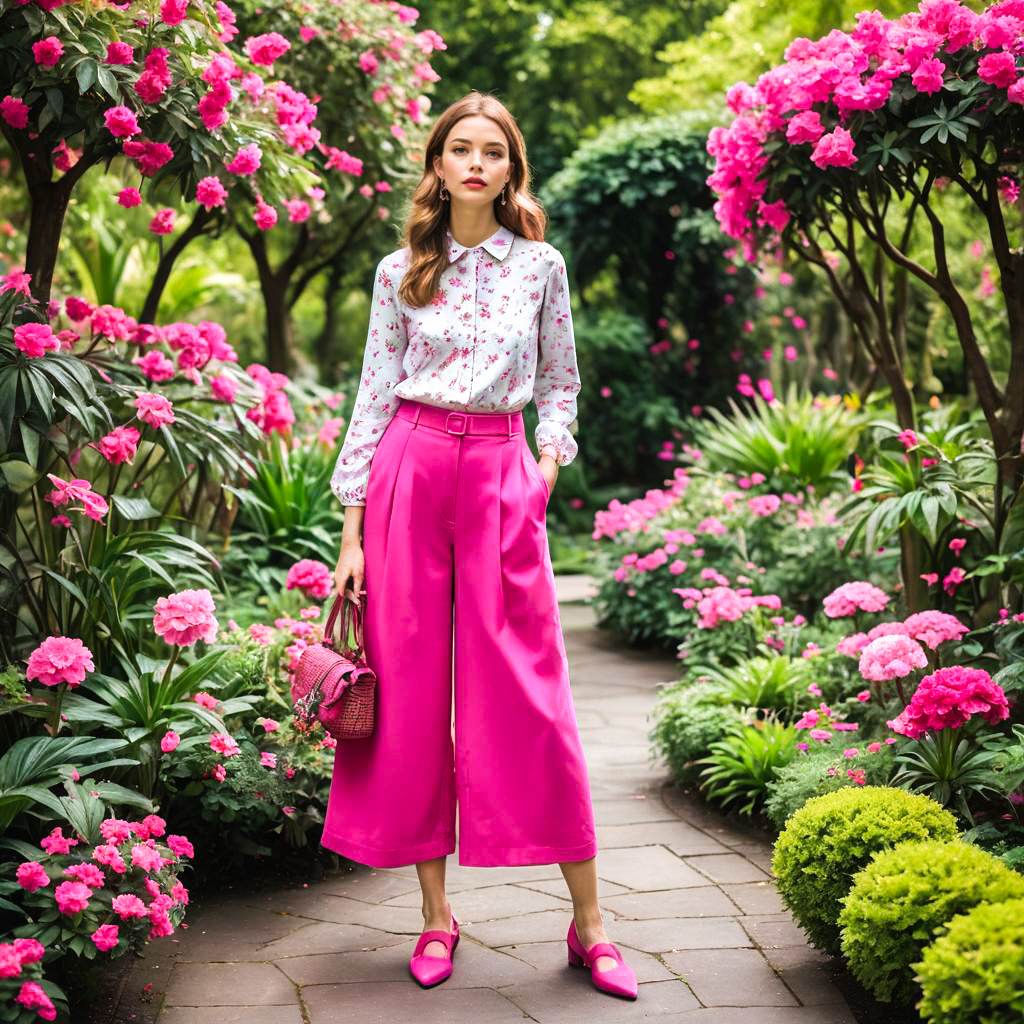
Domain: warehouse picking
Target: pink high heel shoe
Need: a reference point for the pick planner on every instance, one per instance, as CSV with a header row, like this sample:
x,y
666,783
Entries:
x,y
432,970
619,981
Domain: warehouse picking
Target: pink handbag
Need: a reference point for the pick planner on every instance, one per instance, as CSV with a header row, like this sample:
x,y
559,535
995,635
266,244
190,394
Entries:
x,y
338,688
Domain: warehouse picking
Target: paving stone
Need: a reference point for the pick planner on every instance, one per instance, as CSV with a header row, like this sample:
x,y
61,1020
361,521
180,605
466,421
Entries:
x,y
368,884
537,927
731,977
570,996
230,932
755,897
664,934
630,811
771,931
388,1002
744,1015
232,1015
804,970
646,868
322,937
727,867
491,902
475,878
229,985
548,956
683,838
315,905
707,901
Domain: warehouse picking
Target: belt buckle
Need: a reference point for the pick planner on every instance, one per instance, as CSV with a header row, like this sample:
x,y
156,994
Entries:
x,y
461,416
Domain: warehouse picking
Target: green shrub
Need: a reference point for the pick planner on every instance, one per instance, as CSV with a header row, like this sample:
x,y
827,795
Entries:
x,y
975,971
687,722
773,681
793,441
827,841
807,775
898,903
740,766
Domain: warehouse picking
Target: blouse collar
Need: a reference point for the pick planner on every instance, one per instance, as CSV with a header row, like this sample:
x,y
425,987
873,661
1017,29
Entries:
x,y
498,245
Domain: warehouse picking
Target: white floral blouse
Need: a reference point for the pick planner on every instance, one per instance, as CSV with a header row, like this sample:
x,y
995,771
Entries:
x,y
498,333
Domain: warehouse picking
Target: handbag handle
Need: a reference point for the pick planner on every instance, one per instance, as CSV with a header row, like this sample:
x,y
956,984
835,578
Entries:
x,y
346,606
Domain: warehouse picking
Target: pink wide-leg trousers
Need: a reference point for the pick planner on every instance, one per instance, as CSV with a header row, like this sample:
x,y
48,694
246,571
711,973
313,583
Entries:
x,y
458,576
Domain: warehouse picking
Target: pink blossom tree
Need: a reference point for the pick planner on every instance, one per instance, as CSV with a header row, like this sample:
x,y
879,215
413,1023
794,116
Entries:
x,y
839,156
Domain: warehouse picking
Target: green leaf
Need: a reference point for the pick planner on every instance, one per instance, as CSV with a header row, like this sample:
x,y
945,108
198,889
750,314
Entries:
x,y
134,509
86,75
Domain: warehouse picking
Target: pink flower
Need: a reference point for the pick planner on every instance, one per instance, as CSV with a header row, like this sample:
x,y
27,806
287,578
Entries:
x,y
205,700
32,996
169,741
956,545
310,576
120,53
891,657
850,752
821,735
850,598
60,659
804,127
928,75
210,192
108,854
128,905
934,628
153,409
998,69
864,695
31,875
907,438
121,122
47,51
953,579
180,845
146,857
116,830
853,644
265,49
35,340
246,160
56,842
886,629
948,699
185,617
86,873
105,937
119,445
224,744
268,759
764,504
834,149
14,111
72,897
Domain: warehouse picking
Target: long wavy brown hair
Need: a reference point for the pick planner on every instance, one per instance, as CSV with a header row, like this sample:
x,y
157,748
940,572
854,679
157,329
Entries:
x,y
427,218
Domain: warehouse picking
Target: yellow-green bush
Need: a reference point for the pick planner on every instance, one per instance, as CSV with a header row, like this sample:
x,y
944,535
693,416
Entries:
x,y
975,971
827,841
899,902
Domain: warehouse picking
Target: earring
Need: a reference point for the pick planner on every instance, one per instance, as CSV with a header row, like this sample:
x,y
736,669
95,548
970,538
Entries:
x,y
502,195
443,195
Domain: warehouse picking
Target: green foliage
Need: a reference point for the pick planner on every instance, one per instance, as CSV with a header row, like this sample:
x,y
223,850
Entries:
x,y
794,443
768,681
687,721
807,776
827,841
898,903
637,416
740,766
974,971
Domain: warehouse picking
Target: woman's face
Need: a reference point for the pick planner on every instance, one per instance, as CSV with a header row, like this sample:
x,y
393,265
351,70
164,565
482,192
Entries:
x,y
475,148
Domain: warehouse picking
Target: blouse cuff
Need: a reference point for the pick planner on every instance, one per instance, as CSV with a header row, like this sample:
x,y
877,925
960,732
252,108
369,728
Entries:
x,y
556,440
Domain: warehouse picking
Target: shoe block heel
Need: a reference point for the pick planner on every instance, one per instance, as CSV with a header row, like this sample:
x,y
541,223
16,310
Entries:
x,y
575,960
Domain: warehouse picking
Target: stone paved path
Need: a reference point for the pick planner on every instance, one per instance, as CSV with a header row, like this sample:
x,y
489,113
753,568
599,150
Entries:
x,y
687,897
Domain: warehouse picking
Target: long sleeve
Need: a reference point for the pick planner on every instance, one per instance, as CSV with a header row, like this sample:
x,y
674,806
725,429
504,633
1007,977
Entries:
x,y
557,380
376,402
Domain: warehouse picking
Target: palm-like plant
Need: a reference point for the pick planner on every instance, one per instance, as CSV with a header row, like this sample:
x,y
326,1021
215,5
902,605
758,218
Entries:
x,y
740,766
795,442
770,681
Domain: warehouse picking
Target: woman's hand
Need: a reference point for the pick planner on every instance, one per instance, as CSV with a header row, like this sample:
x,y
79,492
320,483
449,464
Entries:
x,y
350,564
549,469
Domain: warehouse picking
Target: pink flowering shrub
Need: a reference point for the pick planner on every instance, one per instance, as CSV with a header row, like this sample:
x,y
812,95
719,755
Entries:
x,y
934,628
117,890
850,598
949,698
891,657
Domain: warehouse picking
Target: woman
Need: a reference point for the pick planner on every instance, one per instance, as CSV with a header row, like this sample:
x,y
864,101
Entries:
x,y
469,321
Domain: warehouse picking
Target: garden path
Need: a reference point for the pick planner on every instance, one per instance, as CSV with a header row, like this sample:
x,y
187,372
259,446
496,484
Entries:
x,y
685,893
